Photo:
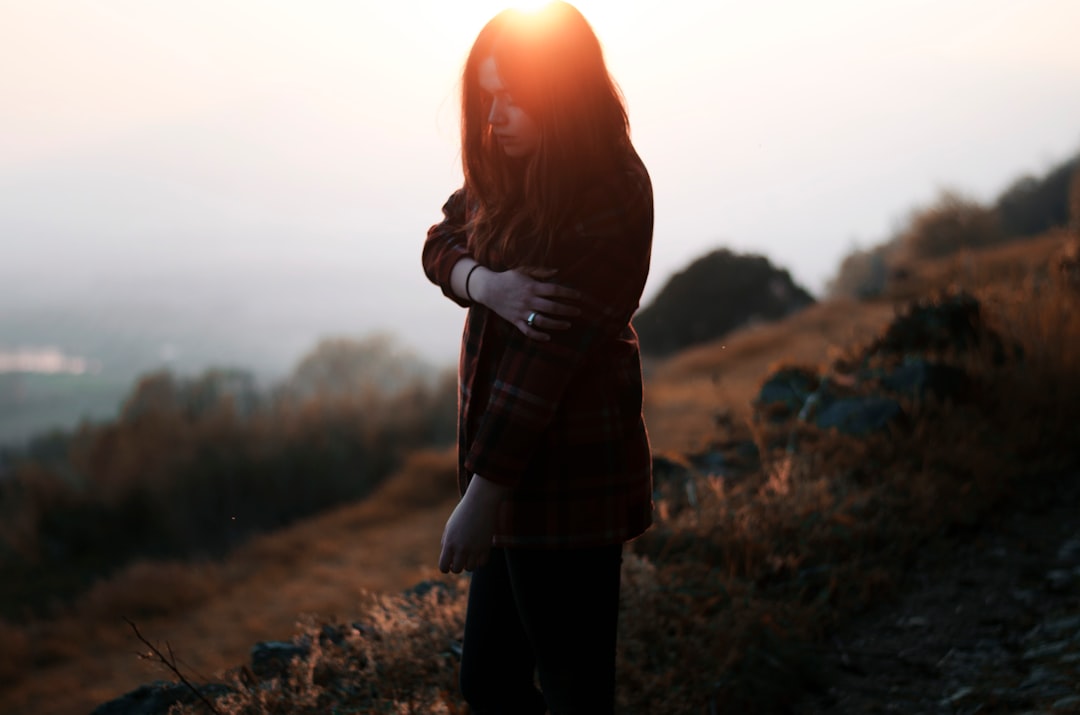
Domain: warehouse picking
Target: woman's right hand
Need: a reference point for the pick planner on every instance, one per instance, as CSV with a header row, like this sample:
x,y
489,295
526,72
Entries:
x,y
516,294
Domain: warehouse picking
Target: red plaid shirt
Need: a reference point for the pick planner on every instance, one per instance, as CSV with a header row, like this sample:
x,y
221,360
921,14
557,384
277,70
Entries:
x,y
560,422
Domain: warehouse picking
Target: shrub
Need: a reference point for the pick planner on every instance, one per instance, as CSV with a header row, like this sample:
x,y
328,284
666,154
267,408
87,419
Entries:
x,y
863,273
952,223
1074,202
714,295
375,364
1033,205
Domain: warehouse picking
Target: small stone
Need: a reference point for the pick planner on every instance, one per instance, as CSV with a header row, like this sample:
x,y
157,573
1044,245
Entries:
x,y
271,659
1045,650
1040,678
1070,703
1070,550
1060,580
958,696
1023,595
1060,625
158,697
858,416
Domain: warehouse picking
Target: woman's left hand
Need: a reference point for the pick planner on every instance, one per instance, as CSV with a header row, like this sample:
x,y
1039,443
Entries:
x,y
527,299
466,540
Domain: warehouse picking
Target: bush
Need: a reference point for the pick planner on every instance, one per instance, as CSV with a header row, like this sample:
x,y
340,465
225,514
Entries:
x,y
714,295
952,223
375,364
863,274
1074,202
1031,205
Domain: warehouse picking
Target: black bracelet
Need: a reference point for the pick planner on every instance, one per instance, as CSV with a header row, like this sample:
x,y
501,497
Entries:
x,y
467,277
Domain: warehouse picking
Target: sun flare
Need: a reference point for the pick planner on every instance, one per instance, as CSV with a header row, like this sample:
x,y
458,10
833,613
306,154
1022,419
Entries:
x,y
531,6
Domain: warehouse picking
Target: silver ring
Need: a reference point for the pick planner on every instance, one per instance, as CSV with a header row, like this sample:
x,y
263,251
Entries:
x,y
531,320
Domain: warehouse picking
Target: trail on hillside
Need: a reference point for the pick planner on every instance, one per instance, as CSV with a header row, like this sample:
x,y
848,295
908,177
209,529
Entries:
x,y
987,620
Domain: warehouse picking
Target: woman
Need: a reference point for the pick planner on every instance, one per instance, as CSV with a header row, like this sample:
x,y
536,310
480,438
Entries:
x,y
547,245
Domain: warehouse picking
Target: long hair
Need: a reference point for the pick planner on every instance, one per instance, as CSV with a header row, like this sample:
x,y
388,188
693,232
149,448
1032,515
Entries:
x,y
552,64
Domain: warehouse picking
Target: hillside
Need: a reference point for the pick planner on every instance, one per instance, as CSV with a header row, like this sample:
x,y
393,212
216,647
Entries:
x,y
325,564
789,549
212,613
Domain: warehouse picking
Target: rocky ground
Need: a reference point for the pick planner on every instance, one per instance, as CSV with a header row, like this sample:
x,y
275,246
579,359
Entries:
x,y
986,621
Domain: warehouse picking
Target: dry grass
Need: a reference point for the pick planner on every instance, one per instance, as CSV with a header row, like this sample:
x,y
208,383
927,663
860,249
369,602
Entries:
x,y
1008,266
685,393
213,613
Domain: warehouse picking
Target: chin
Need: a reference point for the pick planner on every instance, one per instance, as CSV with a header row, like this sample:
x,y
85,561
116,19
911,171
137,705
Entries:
x,y
516,152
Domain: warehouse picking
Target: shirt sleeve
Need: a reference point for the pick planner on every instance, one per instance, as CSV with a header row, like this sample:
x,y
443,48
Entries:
x,y
446,245
607,260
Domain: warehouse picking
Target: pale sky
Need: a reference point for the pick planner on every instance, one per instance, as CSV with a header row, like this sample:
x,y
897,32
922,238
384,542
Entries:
x,y
236,140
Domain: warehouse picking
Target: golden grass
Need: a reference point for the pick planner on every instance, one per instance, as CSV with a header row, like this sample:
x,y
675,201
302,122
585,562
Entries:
x,y
1009,265
684,393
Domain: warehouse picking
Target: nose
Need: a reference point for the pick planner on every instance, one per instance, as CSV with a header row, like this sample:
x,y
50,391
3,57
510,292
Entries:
x,y
497,113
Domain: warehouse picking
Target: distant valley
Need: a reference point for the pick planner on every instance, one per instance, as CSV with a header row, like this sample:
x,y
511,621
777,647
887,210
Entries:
x,y
124,326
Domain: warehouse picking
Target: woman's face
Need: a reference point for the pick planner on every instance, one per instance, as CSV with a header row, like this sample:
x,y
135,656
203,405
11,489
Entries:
x,y
516,132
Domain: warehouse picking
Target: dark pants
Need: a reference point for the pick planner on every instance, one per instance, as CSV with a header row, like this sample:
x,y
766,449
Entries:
x,y
552,612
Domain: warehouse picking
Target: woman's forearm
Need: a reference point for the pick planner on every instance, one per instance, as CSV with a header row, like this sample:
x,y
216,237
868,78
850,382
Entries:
x,y
486,492
466,286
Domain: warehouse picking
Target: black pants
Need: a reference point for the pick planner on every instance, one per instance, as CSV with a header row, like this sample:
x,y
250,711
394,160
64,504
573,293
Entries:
x,y
552,612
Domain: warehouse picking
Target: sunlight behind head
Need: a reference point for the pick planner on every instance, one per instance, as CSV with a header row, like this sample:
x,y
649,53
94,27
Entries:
x,y
534,7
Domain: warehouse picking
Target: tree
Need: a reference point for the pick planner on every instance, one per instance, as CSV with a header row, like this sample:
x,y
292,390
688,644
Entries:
x,y
344,367
714,295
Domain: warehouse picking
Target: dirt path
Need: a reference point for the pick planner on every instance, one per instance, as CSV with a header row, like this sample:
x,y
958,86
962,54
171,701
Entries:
x,y
987,621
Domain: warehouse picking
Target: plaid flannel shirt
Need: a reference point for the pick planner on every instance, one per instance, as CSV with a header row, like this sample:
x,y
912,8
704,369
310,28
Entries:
x,y
560,421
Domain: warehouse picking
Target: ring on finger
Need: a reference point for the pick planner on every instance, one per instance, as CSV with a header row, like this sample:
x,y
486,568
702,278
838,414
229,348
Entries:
x,y
531,320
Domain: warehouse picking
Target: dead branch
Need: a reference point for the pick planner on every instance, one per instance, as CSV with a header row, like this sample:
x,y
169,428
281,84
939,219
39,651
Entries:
x,y
170,663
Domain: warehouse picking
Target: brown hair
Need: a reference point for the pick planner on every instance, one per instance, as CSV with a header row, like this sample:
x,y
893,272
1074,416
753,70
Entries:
x,y
552,64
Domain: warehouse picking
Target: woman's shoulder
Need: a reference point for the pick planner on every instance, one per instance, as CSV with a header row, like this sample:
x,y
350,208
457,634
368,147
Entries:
x,y
637,175
626,181
618,199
